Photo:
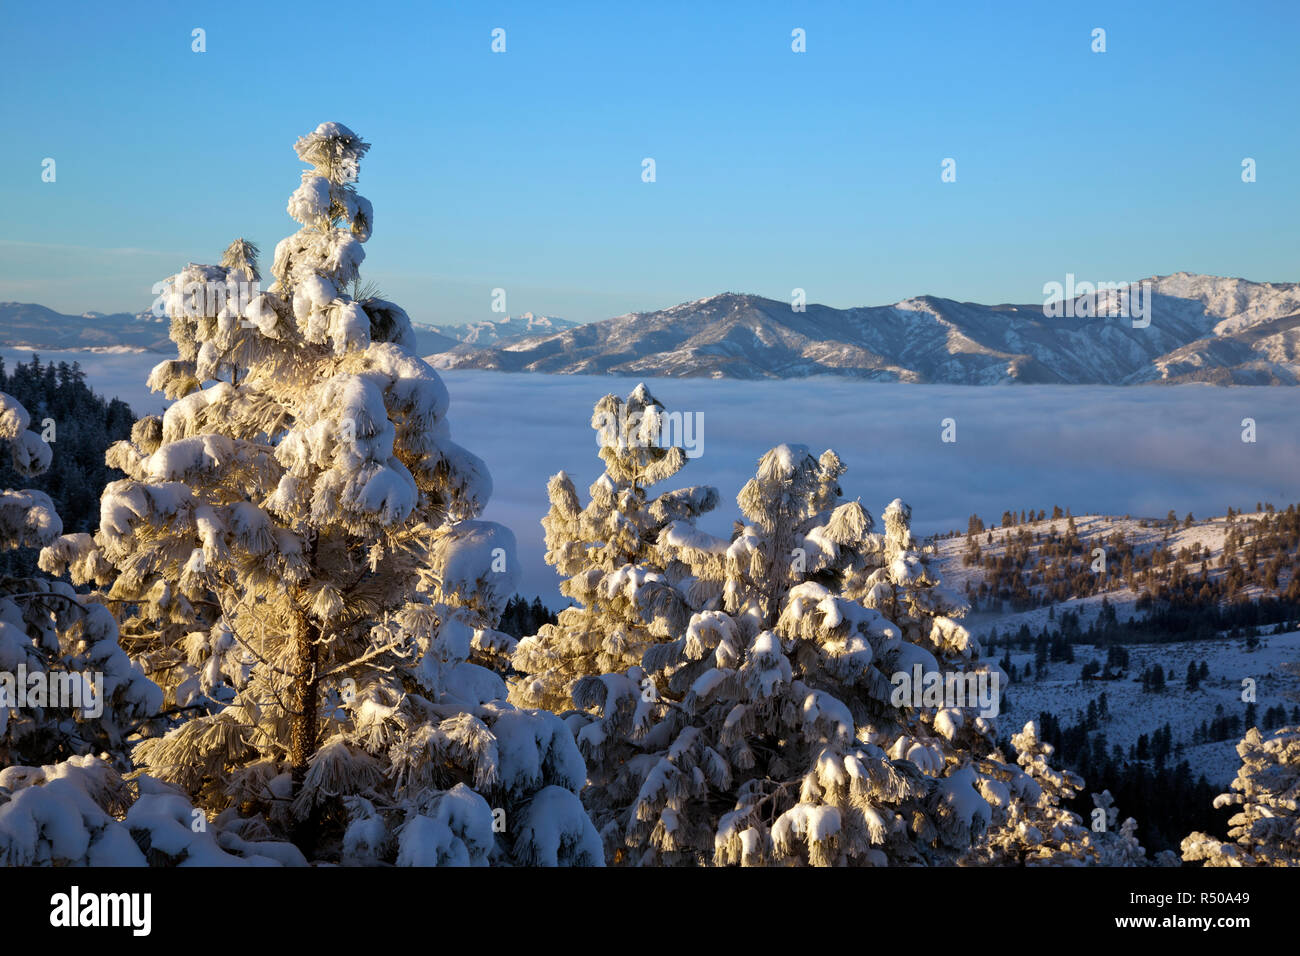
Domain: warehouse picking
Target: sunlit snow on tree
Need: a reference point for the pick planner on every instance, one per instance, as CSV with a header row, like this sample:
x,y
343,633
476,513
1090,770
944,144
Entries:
x,y
297,552
756,727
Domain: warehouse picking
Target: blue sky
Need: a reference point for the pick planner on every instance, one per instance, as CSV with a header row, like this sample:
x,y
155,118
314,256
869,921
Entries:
x,y
775,170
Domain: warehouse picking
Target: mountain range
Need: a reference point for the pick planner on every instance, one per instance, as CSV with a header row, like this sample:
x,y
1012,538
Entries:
x,y
1201,328
25,325
1197,328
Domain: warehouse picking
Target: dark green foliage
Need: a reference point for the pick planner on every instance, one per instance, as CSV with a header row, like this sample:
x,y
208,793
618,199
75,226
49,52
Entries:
x,y
524,619
84,426
1165,799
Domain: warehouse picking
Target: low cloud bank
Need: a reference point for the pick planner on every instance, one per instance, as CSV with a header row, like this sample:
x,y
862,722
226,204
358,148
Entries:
x,y
1136,450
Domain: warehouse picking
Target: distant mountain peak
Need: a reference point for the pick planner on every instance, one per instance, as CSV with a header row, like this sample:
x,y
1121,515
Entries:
x,y
502,331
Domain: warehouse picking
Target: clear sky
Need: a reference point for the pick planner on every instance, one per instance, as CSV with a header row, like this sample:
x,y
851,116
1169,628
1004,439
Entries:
x,y
774,169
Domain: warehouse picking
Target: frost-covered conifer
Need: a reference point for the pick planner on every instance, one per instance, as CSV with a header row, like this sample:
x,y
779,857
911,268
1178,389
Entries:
x,y
607,552
1117,843
1037,828
81,812
63,800
769,733
303,491
1266,830
66,687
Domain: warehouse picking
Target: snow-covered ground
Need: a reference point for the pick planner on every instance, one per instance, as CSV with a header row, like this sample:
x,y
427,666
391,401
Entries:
x,y
1274,666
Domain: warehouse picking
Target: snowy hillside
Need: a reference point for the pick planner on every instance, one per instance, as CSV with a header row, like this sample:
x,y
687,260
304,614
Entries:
x,y
1201,328
1274,666
1058,688
1144,534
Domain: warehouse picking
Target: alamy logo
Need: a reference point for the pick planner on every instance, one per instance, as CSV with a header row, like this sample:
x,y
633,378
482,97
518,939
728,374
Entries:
x,y
73,909
1085,300
76,690
634,429
922,688
196,299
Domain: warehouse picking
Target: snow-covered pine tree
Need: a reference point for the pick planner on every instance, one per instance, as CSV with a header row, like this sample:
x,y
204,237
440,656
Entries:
x,y
1117,843
1266,830
66,687
76,809
607,552
770,734
304,487
1037,828
171,628
82,812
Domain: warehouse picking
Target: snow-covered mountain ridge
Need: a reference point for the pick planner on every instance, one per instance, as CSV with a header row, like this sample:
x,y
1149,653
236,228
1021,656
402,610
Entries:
x,y
493,332
1200,328
27,325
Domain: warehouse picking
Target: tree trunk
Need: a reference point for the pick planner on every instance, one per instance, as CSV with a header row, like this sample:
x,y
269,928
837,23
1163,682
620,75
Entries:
x,y
303,702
